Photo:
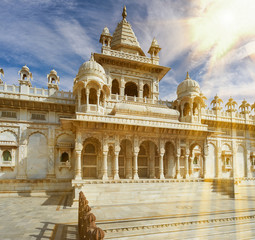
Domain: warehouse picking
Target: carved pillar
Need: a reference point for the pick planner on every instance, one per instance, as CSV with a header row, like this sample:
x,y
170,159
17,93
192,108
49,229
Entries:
x,y
187,166
78,149
78,165
140,94
87,96
135,166
178,175
135,158
122,86
116,166
161,164
218,160
79,101
105,174
116,162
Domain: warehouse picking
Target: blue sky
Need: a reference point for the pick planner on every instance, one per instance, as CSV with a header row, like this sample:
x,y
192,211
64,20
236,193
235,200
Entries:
x,y
213,40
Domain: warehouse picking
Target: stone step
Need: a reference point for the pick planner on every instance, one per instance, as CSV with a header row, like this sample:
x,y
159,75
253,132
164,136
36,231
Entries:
x,y
174,226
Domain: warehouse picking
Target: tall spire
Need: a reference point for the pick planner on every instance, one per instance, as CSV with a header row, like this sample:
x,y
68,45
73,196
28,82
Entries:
x,y
124,13
124,39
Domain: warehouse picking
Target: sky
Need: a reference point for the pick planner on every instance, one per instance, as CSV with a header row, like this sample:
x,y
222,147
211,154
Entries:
x,y
212,39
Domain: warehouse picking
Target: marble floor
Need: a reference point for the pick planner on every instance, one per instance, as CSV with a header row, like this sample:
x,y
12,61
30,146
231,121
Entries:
x,y
50,217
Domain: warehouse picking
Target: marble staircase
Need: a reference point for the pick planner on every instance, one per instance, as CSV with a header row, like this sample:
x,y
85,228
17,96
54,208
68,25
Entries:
x,y
164,209
146,192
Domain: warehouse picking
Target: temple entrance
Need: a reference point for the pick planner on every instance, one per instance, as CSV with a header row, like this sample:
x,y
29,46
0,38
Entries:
x,y
90,158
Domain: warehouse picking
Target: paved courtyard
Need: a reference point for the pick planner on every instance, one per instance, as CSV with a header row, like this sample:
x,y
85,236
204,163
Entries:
x,y
41,217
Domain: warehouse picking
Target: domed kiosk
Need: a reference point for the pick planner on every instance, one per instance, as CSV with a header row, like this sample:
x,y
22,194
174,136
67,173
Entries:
x,y
90,87
190,100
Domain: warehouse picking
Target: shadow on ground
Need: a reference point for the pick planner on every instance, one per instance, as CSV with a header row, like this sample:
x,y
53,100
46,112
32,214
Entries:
x,y
57,231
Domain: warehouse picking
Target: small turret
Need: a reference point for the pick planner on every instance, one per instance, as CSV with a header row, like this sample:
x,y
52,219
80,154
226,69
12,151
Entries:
x,y
154,50
53,81
105,39
25,76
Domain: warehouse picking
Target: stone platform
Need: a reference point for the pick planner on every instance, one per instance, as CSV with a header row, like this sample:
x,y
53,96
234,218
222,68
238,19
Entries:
x,y
201,215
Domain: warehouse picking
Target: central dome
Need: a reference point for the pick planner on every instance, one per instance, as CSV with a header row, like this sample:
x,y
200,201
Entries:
x,y
188,87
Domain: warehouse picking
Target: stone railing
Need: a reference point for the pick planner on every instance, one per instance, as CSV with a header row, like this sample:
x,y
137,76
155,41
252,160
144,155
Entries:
x,y
228,116
119,98
129,56
86,221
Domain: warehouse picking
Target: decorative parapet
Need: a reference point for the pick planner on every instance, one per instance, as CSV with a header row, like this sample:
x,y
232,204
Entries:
x,y
128,56
36,94
224,116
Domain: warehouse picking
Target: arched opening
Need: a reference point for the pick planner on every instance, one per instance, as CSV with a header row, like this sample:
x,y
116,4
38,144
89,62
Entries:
x,y
143,163
24,77
83,96
92,96
195,108
64,157
7,157
125,159
53,80
196,161
186,110
89,161
115,87
131,89
148,160
146,91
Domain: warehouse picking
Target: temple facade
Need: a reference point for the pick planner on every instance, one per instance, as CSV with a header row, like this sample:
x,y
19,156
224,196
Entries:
x,y
113,126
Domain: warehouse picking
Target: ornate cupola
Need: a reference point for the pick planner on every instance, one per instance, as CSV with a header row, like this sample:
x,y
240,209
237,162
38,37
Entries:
x,y
53,81
25,76
90,87
190,100
124,38
154,50
105,39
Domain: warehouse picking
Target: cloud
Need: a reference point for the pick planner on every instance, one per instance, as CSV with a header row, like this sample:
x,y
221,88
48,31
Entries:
x,y
61,34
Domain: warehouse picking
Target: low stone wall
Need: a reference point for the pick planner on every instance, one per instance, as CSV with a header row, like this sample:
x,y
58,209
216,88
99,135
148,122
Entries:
x,y
33,186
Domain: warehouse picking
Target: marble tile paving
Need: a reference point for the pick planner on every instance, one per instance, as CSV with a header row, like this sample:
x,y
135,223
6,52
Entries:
x,y
52,218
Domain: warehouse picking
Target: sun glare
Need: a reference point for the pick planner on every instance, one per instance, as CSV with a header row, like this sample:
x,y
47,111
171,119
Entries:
x,y
221,26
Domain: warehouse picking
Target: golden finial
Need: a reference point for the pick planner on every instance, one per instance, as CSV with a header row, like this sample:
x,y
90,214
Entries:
x,y
124,13
187,76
